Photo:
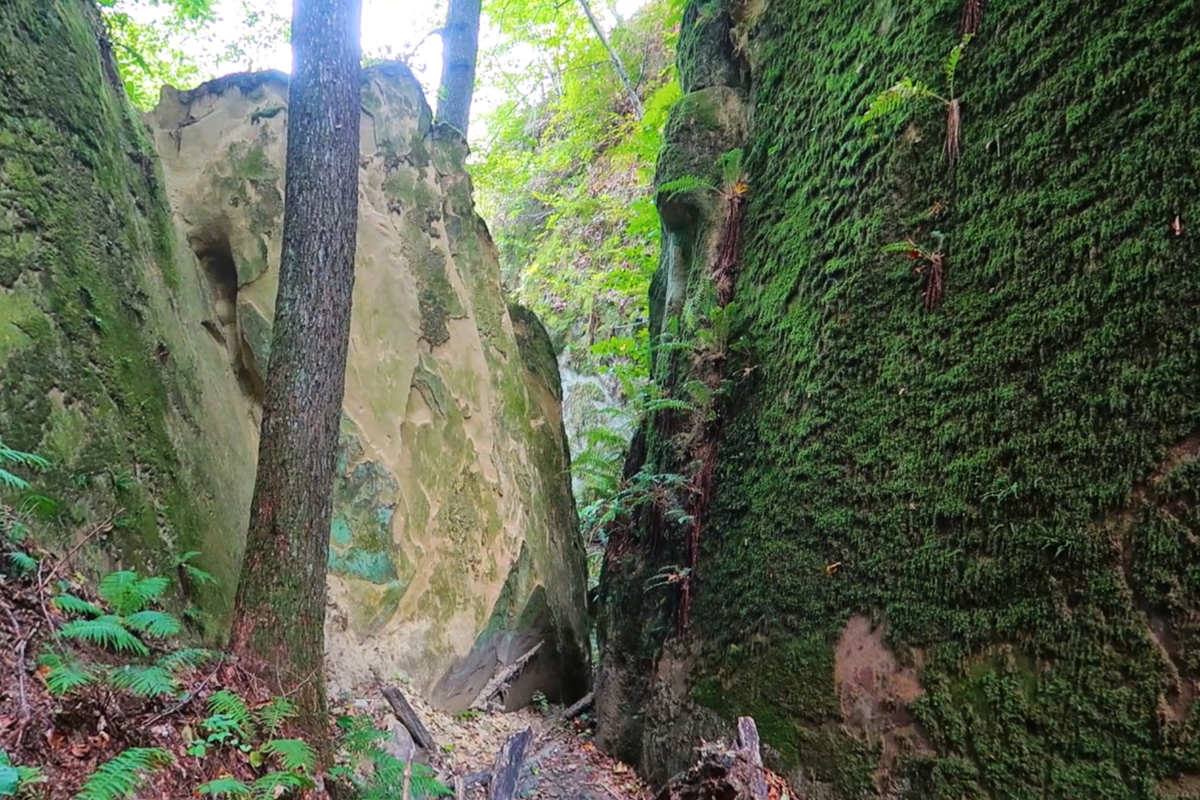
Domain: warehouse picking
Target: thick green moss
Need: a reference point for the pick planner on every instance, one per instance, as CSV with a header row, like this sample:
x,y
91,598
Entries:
x,y
1006,470
85,238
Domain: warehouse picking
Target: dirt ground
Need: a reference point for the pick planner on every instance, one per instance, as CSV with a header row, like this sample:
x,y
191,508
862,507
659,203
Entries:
x,y
562,763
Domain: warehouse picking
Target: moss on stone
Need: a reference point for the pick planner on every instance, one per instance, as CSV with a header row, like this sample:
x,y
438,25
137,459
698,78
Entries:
x,y
1000,471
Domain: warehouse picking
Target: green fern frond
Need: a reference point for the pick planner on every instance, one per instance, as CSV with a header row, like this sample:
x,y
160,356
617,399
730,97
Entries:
x,y
64,675
274,713
105,631
294,754
21,459
731,167
387,779
71,604
228,704
121,776
128,594
194,573
22,562
953,59
668,403
188,658
896,98
275,784
687,183
155,623
142,681
12,481
224,787
359,734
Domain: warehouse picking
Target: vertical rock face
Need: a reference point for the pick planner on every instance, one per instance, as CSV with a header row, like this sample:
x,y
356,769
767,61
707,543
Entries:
x,y
101,367
454,544
946,552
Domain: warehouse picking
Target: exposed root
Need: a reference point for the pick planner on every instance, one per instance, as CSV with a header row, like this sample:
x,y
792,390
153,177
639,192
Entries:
x,y
972,17
934,282
730,253
953,130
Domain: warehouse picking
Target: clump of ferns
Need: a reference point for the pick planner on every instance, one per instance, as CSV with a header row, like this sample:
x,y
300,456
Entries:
x,y
907,93
372,773
931,264
125,624
733,192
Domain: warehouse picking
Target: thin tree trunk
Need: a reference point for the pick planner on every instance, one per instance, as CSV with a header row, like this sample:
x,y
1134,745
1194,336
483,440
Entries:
x,y
460,49
616,59
279,612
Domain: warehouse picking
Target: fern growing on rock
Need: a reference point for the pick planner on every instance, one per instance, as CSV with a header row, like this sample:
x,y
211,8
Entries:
x,y
906,93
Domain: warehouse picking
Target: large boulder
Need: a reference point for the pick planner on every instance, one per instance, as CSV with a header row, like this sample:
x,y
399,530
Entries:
x,y
454,544
137,279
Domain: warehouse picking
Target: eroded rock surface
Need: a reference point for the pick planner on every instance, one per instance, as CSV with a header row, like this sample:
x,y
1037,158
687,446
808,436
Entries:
x,y
454,545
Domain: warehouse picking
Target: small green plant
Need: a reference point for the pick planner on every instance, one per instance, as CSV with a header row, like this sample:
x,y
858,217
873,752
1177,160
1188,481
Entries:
x,y
229,724
123,775
191,571
931,264
10,457
907,92
15,779
389,776
232,724
119,624
667,576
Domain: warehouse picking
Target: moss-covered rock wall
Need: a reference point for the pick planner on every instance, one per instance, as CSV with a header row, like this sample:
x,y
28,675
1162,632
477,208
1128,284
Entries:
x,y
950,551
98,369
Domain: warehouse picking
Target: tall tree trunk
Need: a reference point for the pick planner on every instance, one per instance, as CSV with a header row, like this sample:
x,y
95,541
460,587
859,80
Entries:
x,y
614,58
279,613
460,48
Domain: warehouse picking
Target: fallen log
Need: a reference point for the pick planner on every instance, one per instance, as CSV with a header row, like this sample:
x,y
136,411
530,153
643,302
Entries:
x,y
503,677
579,707
506,771
408,718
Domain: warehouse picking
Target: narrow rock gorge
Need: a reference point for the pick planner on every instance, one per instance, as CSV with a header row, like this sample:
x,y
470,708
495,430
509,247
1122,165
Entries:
x,y
138,266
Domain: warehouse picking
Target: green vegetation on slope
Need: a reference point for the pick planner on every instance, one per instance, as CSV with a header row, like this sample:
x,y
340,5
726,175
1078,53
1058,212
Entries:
x,y
564,177
1008,480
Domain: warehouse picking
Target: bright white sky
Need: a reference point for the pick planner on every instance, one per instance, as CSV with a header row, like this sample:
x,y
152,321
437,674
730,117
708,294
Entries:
x,y
391,28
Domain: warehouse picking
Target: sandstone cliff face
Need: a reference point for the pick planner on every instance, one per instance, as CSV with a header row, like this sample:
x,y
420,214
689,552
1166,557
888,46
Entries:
x,y
948,548
137,279
454,543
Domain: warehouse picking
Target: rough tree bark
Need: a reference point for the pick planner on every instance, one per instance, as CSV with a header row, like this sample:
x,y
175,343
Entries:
x,y
614,58
279,612
460,48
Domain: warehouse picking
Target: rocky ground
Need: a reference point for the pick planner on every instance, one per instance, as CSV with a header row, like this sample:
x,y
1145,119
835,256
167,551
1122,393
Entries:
x,y
562,762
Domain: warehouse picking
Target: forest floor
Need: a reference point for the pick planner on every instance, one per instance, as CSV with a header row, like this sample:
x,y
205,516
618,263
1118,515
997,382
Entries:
x,y
562,763
72,737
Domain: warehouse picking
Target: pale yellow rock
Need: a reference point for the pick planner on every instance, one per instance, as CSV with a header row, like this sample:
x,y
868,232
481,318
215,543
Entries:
x,y
452,501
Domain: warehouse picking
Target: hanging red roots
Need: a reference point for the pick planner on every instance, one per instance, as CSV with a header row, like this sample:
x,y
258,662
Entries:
x,y
972,17
729,254
934,281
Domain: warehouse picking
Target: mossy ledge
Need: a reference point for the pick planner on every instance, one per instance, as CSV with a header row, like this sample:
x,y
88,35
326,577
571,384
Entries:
x,y
991,508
